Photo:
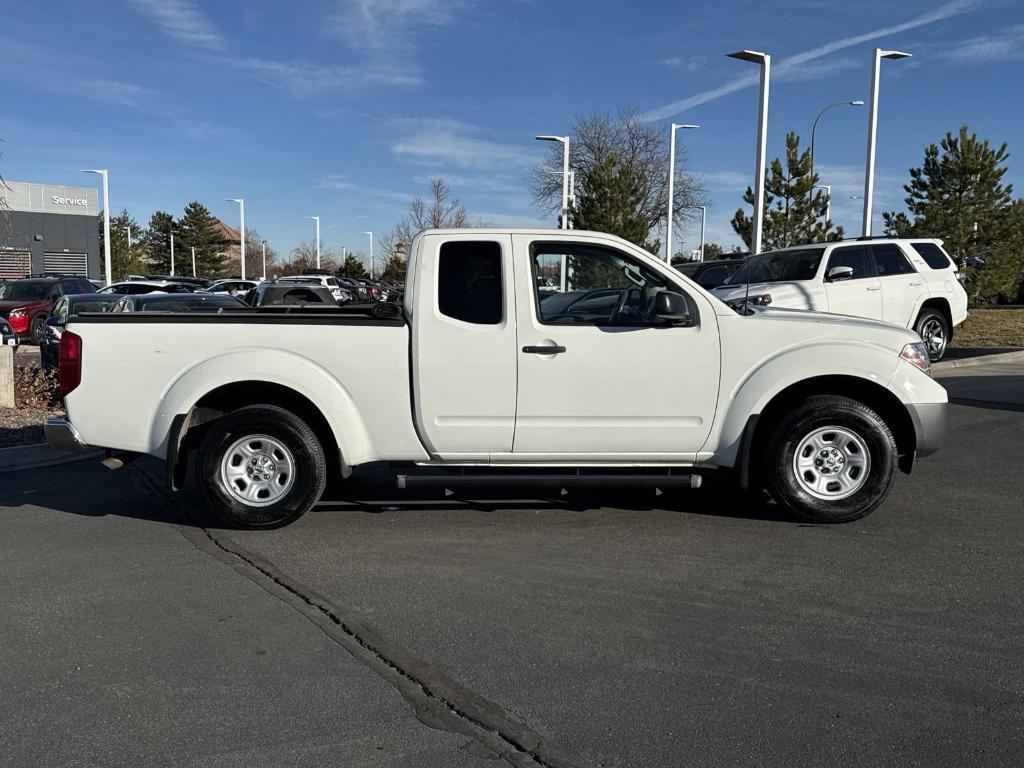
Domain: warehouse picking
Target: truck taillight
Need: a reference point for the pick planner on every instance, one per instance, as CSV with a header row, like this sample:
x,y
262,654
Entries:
x,y
69,368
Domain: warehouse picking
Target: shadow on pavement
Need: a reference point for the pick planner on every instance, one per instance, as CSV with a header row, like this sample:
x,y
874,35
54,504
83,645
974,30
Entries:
x,y
1000,392
962,353
138,491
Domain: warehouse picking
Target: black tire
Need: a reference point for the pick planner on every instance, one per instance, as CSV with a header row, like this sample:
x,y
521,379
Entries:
x,y
307,480
37,329
934,330
821,413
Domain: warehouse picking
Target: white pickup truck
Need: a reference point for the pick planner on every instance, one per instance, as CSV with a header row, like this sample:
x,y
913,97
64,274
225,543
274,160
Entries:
x,y
536,357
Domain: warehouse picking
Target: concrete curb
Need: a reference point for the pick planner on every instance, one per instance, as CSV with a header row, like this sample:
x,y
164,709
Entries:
x,y
38,456
967,362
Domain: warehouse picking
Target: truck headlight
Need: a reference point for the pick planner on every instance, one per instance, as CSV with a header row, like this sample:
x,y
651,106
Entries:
x,y
917,355
759,300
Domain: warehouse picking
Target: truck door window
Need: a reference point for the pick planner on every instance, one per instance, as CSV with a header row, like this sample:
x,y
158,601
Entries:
x,y
577,283
469,281
855,256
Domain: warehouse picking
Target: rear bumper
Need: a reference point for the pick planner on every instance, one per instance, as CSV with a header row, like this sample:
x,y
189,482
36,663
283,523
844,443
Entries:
x,y
62,435
929,425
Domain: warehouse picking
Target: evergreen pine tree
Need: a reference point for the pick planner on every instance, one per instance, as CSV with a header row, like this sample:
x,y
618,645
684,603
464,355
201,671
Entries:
x,y
352,267
611,199
794,213
125,260
198,228
157,242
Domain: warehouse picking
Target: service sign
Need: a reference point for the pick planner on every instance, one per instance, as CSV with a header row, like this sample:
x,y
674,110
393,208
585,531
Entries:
x,y
49,198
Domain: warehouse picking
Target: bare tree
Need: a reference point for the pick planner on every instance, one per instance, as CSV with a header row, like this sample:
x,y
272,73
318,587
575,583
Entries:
x,y
254,254
639,150
440,211
303,257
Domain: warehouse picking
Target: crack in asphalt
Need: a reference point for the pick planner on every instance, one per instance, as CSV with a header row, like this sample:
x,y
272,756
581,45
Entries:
x,y
437,700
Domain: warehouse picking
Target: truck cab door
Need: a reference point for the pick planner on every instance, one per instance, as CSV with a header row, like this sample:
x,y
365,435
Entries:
x,y
601,378
464,345
860,295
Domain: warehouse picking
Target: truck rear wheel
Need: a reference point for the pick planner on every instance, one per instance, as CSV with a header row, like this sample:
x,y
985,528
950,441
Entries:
x,y
260,467
832,460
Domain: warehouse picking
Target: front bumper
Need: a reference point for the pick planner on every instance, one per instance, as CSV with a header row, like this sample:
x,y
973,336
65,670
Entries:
x,y
62,435
929,425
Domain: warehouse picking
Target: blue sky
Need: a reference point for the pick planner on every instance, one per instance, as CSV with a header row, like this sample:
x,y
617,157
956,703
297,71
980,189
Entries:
x,y
346,108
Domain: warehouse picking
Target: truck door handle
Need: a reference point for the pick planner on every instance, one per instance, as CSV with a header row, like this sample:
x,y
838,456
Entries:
x,y
543,350
874,287
916,282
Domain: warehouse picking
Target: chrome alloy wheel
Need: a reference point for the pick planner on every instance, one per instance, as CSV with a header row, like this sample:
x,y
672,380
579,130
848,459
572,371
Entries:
x,y
258,470
832,463
933,334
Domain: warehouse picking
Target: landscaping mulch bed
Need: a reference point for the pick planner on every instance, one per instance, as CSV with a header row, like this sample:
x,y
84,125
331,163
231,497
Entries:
x,y
36,398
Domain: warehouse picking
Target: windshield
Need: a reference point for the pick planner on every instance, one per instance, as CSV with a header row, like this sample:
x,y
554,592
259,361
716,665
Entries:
x,y
23,291
779,267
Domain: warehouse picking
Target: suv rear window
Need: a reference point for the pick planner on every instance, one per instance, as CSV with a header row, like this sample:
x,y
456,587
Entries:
x,y
932,255
469,282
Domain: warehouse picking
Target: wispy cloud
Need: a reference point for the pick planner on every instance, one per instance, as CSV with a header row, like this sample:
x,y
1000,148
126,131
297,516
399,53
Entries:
x,y
1007,45
383,23
441,141
183,21
686,63
791,65
302,78
343,183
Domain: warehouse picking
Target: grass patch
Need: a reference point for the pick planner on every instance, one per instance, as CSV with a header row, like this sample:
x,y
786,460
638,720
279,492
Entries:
x,y
991,328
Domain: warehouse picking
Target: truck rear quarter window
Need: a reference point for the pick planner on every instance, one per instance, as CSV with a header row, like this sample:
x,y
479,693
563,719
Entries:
x,y
932,255
469,281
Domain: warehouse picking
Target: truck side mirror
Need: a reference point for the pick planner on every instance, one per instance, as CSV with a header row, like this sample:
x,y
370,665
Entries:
x,y
839,273
672,307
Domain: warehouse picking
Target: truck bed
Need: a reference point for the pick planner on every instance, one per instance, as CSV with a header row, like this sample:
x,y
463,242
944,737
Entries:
x,y
155,366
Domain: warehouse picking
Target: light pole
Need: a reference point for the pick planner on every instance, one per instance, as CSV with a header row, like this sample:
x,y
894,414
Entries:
x,y
703,220
828,199
106,222
241,223
128,229
317,220
814,126
371,252
194,262
671,189
263,244
564,140
172,251
765,62
869,171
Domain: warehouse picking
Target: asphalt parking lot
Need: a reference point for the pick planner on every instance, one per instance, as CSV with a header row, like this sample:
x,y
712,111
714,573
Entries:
x,y
696,628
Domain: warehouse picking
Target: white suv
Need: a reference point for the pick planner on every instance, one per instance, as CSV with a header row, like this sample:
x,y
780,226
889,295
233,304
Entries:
x,y
340,294
911,282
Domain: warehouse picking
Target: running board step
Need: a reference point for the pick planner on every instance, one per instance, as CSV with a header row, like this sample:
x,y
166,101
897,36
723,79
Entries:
x,y
680,480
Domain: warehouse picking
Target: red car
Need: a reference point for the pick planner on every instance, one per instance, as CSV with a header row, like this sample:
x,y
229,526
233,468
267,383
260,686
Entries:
x,y
27,303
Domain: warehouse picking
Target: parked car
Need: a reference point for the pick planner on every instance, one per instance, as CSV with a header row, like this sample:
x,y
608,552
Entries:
x,y
176,302
341,295
372,289
195,283
912,283
710,274
27,303
63,308
289,292
8,338
137,287
357,289
475,375
231,286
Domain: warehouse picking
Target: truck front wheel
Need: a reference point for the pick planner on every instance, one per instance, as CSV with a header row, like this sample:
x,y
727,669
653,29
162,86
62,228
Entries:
x,y
831,460
260,467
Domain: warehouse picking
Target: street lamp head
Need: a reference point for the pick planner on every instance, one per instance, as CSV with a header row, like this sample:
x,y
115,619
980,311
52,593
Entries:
x,y
315,218
95,170
677,126
234,200
893,54
368,233
562,139
857,102
755,56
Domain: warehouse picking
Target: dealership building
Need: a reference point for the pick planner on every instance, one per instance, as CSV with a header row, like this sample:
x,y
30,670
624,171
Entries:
x,y
48,228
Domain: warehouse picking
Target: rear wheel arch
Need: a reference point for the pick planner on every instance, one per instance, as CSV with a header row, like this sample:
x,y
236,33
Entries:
x,y
942,306
875,396
187,430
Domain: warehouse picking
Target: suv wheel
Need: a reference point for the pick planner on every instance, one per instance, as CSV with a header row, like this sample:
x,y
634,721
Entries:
x,y
37,329
831,460
260,467
933,329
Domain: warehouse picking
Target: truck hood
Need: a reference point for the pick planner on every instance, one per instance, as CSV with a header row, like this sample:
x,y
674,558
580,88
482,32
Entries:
x,y
796,294
840,326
